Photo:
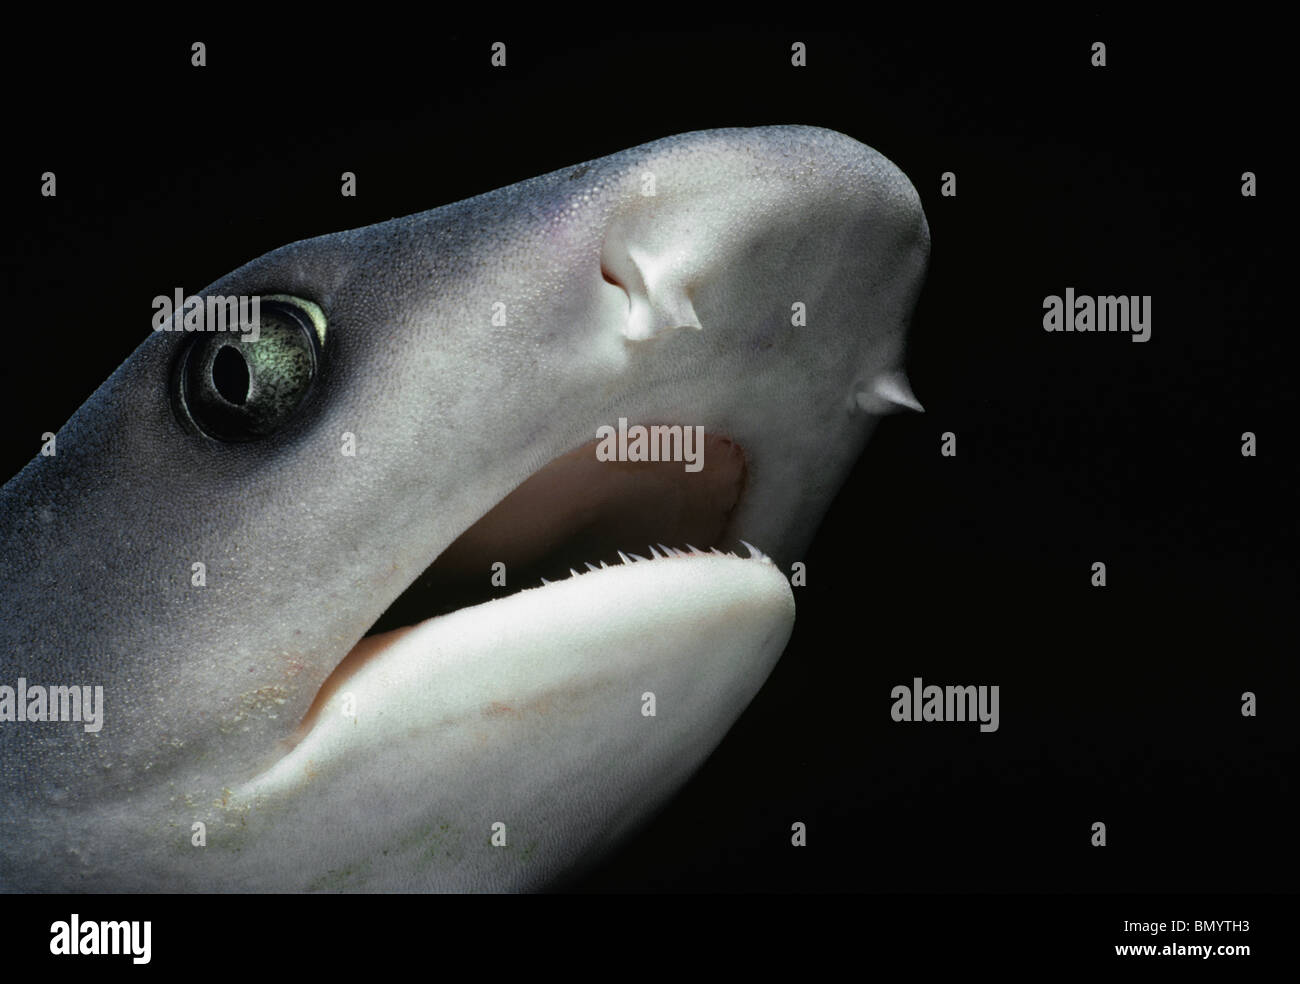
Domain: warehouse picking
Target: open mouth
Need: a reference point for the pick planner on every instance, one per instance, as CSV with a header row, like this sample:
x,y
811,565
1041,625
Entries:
x,y
575,515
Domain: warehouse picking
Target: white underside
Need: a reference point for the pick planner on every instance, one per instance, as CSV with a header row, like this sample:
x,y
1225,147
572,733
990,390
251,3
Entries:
x,y
530,711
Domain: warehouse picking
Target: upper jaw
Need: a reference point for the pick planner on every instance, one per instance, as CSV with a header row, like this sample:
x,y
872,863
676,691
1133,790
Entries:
x,y
575,510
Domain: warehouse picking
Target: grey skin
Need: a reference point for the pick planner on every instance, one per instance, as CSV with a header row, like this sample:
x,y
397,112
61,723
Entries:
x,y
526,712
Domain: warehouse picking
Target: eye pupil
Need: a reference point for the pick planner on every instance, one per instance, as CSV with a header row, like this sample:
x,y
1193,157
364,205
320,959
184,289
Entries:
x,y
247,389
230,375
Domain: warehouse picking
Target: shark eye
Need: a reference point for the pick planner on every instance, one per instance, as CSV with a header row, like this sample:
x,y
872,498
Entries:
x,y
235,388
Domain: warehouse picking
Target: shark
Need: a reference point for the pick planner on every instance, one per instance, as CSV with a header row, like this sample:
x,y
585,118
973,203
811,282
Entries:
x,y
368,610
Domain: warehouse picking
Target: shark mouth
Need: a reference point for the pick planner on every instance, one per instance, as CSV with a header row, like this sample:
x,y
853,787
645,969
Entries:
x,y
575,516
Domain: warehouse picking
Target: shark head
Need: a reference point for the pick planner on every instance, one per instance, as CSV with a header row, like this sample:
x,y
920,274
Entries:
x,y
307,569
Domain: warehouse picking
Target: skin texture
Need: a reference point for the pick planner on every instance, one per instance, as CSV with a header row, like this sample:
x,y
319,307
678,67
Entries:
x,y
673,307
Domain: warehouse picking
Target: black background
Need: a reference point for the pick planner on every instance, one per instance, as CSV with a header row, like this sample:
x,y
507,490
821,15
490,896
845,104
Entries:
x,y
1119,704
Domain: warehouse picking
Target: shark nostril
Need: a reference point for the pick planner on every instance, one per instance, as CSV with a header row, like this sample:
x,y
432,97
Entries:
x,y
230,376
